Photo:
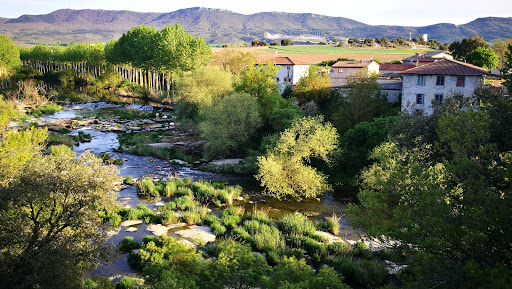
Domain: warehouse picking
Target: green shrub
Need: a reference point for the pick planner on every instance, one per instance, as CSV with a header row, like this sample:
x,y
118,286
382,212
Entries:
x,y
267,237
59,139
138,213
128,244
185,203
168,217
230,221
187,181
113,219
360,249
339,249
210,219
272,256
184,191
217,228
241,234
191,217
296,223
147,187
128,282
260,216
252,226
170,188
63,130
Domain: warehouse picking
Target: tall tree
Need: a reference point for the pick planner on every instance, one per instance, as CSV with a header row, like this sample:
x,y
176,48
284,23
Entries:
x,y
50,230
459,50
9,55
483,57
259,80
284,172
314,86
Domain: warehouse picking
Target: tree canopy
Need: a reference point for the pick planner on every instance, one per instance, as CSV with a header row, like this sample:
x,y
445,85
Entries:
x,y
284,172
459,50
9,54
483,57
445,191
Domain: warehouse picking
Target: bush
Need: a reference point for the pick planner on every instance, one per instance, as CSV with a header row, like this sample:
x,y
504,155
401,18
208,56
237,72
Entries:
x,y
184,191
185,203
127,245
259,216
218,229
170,188
138,213
59,139
128,282
191,217
331,224
267,237
147,187
168,217
241,234
296,223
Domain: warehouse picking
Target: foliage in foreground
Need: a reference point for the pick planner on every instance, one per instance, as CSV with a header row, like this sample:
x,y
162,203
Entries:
x,y
49,220
444,188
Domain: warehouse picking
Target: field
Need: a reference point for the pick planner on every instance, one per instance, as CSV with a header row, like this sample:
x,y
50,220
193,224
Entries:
x,y
317,53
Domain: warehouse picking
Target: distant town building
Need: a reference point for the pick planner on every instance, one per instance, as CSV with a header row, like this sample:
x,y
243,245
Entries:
x,y
423,58
290,71
434,81
341,70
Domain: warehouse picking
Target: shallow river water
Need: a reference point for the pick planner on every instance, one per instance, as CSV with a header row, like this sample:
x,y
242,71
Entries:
x,y
140,166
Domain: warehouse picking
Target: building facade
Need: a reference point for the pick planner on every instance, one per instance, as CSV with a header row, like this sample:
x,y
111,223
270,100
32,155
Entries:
x,y
435,81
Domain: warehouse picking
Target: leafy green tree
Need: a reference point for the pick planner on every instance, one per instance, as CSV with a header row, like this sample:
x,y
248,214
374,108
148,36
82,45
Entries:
x,y
362,101
500,48
483,57
229,125
50,228
259,81
286,42
16,147
446,199
283,171
459,50
234,60
357,143
203,87
314,86
9,54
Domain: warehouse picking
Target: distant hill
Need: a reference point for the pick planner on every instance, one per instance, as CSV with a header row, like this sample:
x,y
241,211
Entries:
x,y
223,26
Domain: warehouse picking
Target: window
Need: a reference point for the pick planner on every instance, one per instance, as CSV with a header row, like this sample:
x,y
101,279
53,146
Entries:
x,y
419,98
421,80
288,67
440,81
461,81
277,79
340,69
439,97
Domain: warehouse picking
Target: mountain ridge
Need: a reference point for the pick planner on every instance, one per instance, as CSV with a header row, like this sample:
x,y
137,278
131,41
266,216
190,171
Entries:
x,y
224,26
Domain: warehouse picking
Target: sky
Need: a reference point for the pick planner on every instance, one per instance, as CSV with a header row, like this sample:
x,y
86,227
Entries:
x,y
374,12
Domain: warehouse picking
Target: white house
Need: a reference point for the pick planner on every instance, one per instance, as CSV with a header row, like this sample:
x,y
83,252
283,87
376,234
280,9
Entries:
x,y
341,70
435,81
290,71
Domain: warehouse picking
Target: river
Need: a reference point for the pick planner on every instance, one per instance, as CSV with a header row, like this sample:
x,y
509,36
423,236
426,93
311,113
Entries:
x,y
140,166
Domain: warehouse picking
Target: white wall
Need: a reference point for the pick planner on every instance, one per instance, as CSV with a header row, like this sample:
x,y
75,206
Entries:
x,y
291,73
430,89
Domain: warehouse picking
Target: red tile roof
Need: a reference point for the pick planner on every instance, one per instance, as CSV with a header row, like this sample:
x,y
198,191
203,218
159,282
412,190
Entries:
x,y
354,64
447,67
396,67
284,61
